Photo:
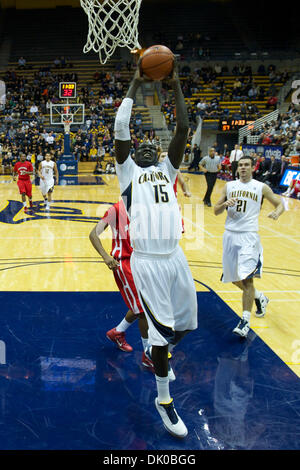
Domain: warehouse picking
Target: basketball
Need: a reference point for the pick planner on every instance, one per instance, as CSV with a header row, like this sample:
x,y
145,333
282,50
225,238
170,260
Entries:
x,y
157,62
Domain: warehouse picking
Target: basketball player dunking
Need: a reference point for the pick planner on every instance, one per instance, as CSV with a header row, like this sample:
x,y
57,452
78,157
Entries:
x,y
242,250
160,270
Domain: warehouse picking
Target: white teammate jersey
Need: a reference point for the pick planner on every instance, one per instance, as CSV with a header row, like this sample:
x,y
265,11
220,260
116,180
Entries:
x,y
243,216
151,204
47,169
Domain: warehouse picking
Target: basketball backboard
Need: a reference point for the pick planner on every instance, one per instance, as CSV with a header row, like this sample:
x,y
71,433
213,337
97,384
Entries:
x,y
60,113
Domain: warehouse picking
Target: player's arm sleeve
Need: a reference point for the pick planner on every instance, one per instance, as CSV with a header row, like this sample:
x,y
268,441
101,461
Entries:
x,y
122,131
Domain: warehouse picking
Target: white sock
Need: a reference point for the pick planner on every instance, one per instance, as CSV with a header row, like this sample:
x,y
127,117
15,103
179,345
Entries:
x,y
123,325
256,294
145,343
163,393
246,315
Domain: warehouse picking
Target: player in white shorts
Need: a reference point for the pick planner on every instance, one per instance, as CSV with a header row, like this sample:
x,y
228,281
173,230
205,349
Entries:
x,y
242,250
46,171
160,270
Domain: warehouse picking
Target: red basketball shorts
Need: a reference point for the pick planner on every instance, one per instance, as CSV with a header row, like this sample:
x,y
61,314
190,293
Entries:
x,y
125,283
25,187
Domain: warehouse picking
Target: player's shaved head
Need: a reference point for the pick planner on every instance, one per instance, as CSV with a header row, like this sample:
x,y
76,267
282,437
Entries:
x,y
146,155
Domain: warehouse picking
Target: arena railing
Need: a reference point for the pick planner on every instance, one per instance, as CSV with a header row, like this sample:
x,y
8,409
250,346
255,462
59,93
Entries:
x,y
246,130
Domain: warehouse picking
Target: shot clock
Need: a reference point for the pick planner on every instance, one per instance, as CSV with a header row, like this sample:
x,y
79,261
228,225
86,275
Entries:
x,y
67,90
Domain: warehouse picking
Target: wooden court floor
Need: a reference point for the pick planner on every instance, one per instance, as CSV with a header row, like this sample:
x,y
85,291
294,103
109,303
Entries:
x,y
52,252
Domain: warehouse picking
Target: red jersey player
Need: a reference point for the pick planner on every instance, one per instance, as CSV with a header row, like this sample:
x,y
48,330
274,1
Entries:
x,y
24,169
119,262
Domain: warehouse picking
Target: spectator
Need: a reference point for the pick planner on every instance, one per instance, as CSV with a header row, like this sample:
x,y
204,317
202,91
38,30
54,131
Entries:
x,y
179,46
50,138
93,152
262,169
271,175
272,101
63,62
34,109
225,164
21,63
56,62
196,158
7,163
235,155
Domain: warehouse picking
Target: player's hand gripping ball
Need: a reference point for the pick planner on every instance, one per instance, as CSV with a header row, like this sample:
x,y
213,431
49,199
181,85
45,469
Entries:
x,y
157,62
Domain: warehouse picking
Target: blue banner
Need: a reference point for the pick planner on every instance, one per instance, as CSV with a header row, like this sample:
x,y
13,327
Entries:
x,y
289,175
266,150
67,166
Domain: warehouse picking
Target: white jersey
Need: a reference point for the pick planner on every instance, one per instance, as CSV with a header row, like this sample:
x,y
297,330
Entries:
x,y
47,169
151,204
243,216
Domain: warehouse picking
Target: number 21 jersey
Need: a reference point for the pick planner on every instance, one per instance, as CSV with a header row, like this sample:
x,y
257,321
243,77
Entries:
x,y
243,216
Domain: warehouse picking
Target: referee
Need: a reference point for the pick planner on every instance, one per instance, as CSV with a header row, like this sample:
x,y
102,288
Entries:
x,y
210,165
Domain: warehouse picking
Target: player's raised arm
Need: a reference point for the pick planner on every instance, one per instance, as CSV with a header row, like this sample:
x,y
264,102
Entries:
x,y
122,132
178,143
274,200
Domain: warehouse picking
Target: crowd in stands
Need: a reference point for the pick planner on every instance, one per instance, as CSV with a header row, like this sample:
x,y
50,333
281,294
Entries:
x,y
285,131
22,124
193,46
211,79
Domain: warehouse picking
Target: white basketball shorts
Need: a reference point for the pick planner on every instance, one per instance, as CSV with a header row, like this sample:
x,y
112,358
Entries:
x,y
167,294
46,185
242,256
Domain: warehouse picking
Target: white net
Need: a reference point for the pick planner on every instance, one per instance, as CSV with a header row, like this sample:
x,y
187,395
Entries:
x,y
112,24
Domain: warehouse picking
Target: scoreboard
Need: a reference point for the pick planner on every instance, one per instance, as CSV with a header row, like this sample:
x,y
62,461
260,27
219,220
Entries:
x,y
67,90
234,124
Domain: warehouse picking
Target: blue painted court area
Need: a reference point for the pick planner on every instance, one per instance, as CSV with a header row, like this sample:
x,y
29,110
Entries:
x,y
65,386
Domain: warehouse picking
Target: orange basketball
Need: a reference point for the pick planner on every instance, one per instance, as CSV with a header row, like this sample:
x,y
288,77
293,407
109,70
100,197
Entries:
x,y
157,62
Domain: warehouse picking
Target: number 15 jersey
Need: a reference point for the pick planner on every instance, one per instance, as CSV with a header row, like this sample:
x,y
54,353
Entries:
x,y
243,216
151,204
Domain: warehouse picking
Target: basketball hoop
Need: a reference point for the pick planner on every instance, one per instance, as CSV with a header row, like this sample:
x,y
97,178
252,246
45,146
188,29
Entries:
x,y
112,24
67,125
67,120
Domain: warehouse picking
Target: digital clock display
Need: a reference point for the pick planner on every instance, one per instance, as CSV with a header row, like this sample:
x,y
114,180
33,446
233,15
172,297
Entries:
x,y
234,124
67,90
